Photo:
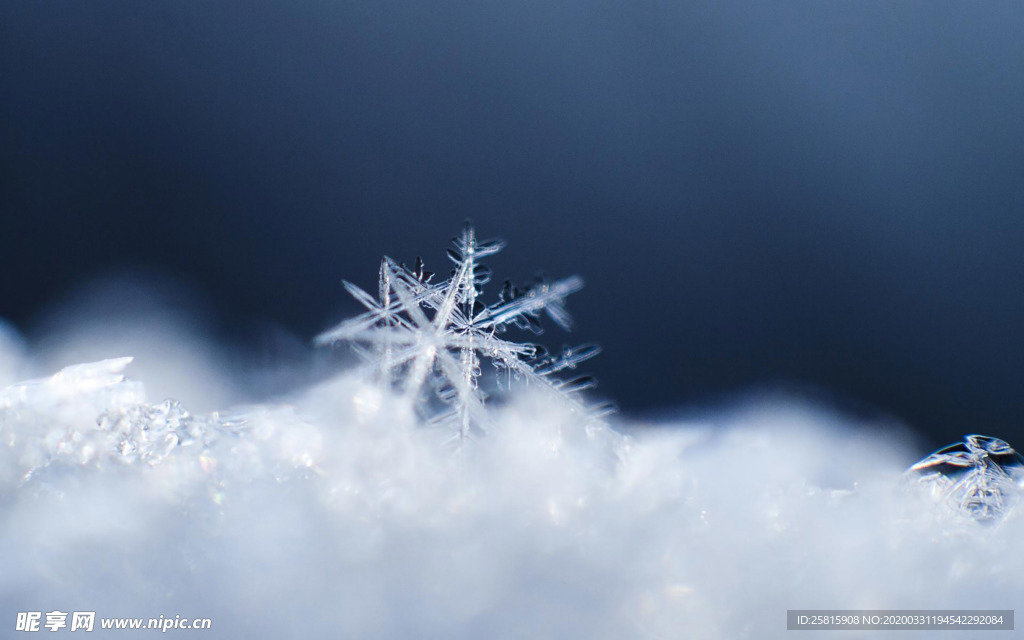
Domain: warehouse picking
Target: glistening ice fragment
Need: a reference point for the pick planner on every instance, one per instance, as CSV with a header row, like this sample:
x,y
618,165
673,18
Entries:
x,y
980,478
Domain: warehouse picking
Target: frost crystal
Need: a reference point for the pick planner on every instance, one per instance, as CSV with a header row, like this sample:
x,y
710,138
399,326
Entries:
x,y
980,478
92,415
417,334
150,433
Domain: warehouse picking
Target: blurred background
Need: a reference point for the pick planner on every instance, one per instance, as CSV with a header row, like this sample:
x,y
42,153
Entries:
x,y
820,198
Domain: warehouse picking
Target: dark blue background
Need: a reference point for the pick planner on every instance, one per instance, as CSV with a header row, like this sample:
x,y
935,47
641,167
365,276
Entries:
x,y
818,195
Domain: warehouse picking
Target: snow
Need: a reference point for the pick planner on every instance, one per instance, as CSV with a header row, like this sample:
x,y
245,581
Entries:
x,y
335,512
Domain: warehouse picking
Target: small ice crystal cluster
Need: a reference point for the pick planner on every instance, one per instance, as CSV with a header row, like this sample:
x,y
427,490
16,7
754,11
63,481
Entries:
x,y
980,478
149,433
429,338
90,414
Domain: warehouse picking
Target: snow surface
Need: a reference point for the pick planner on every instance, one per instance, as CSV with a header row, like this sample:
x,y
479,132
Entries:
x,y
333,514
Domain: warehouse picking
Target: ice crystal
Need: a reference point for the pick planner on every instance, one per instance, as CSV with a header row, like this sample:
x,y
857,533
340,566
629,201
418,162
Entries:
x,y
54,419
92,415
429,338
980,478
150,433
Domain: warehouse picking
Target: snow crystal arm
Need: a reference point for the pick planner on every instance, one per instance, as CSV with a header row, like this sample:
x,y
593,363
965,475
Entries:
x,y
364,298
490,345
371,335
423,360
407,299
353,328
349,328
548,298
443,315
570,358
415,281
469,403
565,391
466,245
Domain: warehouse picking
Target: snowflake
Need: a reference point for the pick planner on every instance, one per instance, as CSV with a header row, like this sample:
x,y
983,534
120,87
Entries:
x,y
980,478
416,335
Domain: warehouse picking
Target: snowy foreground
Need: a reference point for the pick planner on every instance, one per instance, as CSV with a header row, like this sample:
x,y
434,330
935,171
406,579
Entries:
x,y
335,515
